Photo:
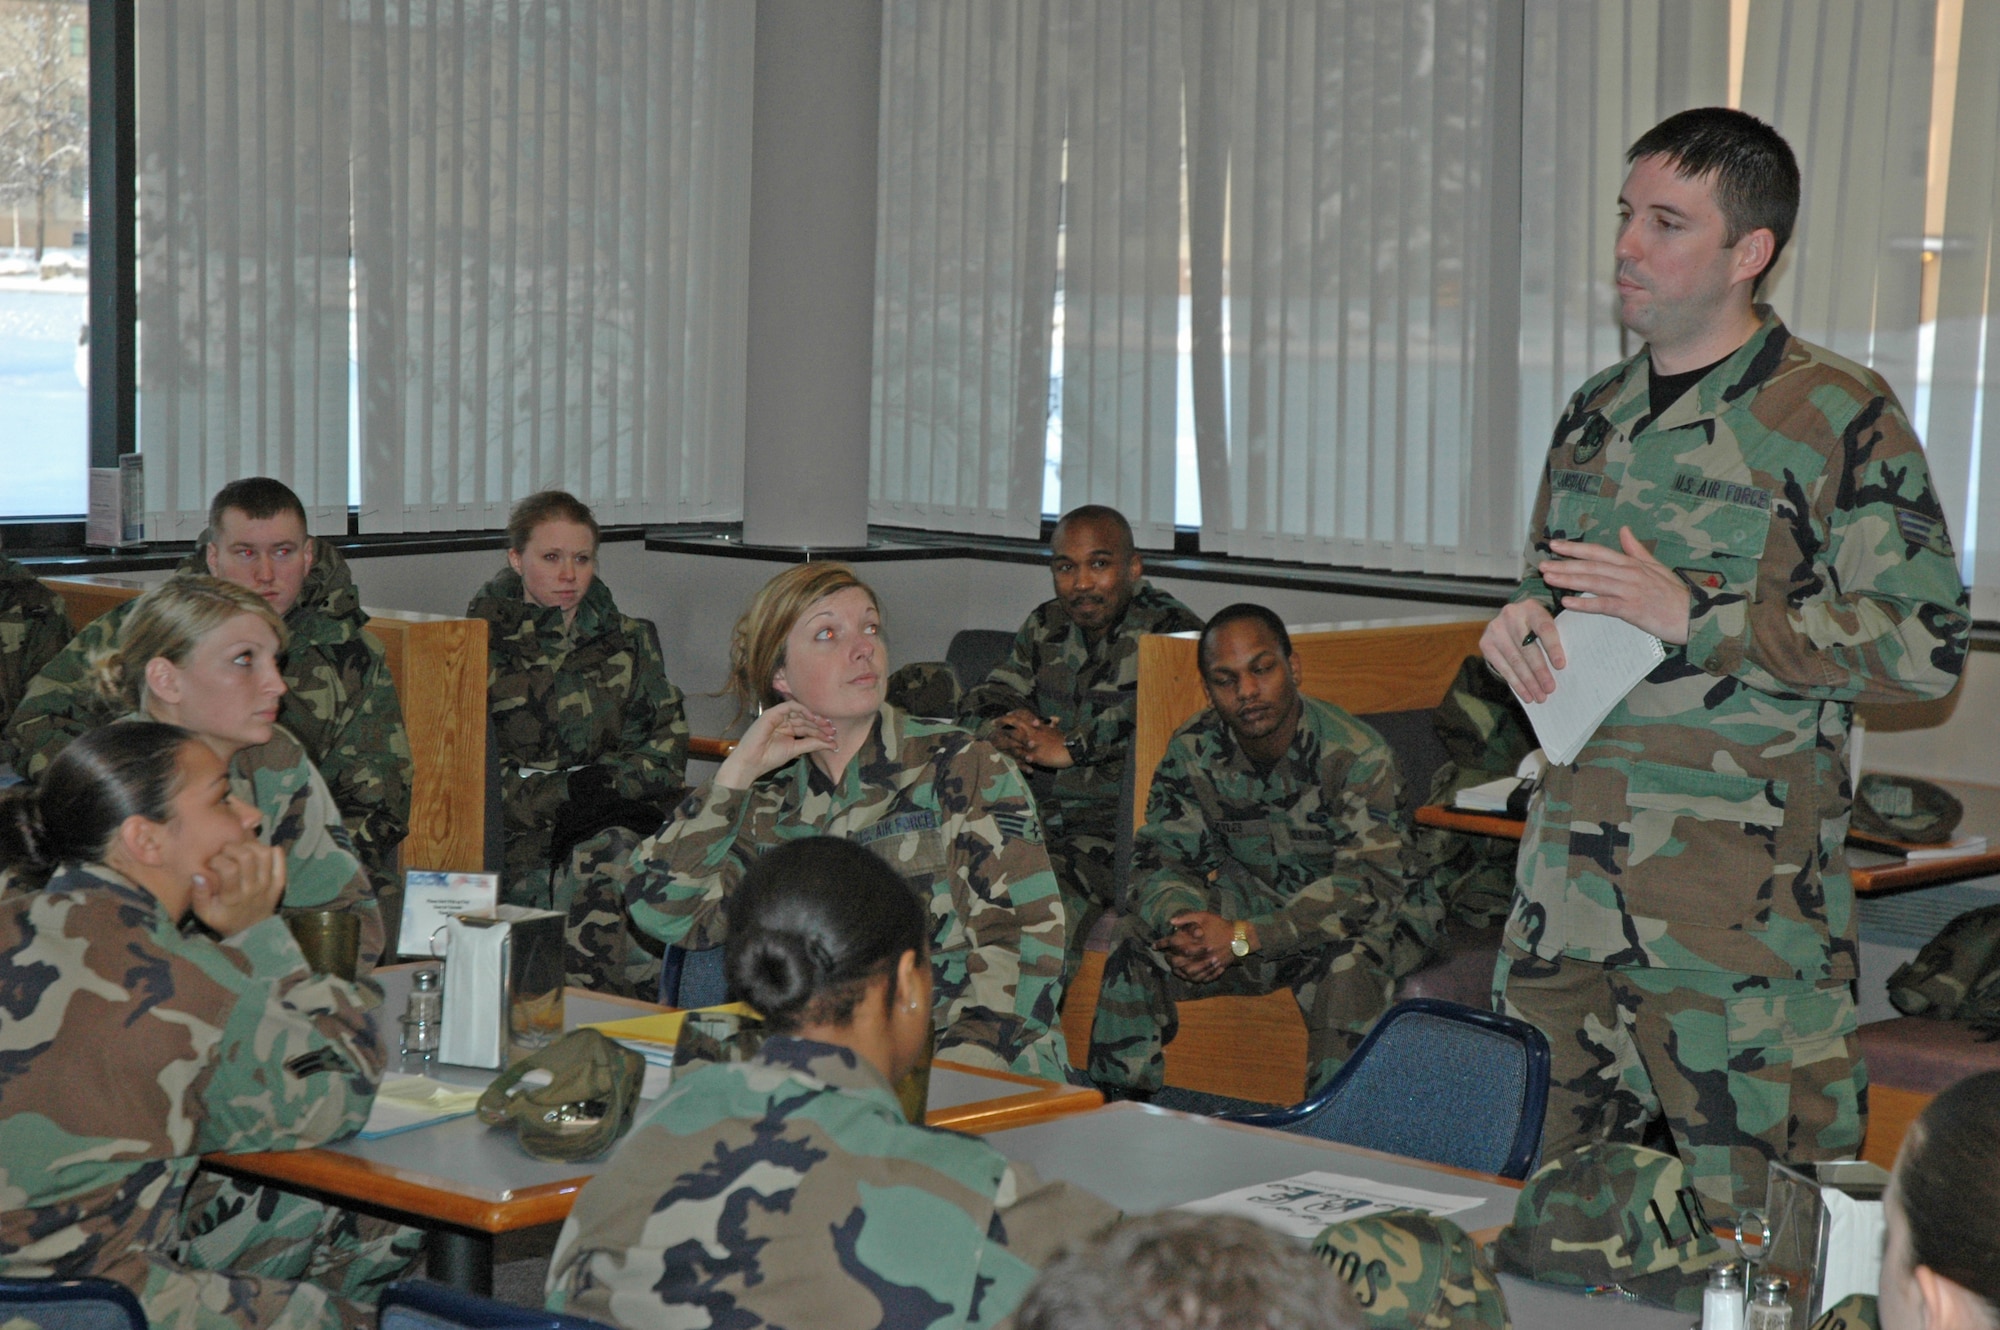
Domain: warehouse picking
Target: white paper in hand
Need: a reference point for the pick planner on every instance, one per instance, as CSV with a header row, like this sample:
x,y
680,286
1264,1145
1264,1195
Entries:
x,y
1603,658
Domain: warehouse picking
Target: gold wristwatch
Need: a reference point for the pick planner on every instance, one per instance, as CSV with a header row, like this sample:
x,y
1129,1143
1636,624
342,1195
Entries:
x,y
1239,945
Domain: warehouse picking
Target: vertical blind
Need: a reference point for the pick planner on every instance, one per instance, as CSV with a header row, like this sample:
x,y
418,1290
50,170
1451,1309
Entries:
x,y
1597,76
1964,428
242,122
551,220
965,265
1359,142
1119,63
1848,83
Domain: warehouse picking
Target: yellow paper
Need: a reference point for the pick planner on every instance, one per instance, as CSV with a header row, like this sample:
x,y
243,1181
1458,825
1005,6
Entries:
x,y
664,1028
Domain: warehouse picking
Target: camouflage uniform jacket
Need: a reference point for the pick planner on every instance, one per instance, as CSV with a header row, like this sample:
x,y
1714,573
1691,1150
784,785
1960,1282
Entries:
x,y
33,628
341,705
321,872
594,693
1311,850
789,1191
947,811
1090,689
1702,826
132,1049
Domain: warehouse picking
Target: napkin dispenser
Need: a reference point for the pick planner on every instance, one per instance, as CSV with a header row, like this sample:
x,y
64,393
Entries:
x,y
503,985
1825,1223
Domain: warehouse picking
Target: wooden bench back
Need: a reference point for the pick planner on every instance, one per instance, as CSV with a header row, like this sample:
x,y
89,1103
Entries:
x,y
438,665
1366,667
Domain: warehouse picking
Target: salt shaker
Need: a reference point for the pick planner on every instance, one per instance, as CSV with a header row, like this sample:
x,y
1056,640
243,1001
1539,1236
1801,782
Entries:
x,y
1722,1300
423,1018
1769,1310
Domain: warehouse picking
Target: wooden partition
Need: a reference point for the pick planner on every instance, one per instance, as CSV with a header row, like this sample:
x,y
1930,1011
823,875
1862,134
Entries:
x,y
438,665
1255,1048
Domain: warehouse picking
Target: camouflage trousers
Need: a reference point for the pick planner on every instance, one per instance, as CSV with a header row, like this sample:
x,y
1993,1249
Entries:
x,y
605,953
1087,877
1744,1070
1341,988
251,1255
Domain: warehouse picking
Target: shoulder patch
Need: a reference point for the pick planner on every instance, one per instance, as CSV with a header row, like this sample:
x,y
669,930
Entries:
x,y
1925,532
1016,824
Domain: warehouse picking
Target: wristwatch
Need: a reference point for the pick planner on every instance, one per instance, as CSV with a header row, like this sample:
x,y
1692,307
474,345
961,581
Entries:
x,y
1239,945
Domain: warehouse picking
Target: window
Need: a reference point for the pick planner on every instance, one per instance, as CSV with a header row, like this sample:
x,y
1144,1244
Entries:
x,y
44,269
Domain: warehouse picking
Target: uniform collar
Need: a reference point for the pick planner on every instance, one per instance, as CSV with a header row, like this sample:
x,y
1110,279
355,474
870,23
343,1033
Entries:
x,y
75,875
885,736
831,1065
1743,372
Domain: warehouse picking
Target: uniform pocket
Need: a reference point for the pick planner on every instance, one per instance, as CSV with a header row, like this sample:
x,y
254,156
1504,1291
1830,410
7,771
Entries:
x,y
1701,845
917,855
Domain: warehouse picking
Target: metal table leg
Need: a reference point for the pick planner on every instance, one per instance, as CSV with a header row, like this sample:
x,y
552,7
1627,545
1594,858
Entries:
x,y
461,1258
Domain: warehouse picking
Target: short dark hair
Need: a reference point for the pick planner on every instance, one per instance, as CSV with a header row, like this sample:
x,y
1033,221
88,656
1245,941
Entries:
x,y
1756,175
811,923
1242,611
1948,1179
1180,1271
1097,512
547,506
113,772
256,497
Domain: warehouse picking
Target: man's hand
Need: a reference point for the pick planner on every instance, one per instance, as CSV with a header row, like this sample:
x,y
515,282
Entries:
x,y
1197,949
1026,737
1513,644
773,739
1632,585
242,885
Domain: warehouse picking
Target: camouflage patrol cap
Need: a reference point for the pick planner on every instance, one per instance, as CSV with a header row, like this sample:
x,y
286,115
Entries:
x,y
1411,1271
586,1105
1905,808
1856,1311
1611,1213
924,688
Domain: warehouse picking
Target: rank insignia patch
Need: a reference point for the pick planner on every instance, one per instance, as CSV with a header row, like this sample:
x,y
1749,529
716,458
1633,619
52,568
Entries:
x,y
1924,532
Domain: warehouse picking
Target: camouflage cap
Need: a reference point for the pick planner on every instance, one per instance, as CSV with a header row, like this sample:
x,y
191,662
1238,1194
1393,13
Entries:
x,y
1905,808
925,688
1414,1272
1611,1213
1856,1311
586,1105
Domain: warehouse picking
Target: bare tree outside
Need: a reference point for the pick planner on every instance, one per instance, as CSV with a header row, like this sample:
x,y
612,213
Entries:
x,y
44,111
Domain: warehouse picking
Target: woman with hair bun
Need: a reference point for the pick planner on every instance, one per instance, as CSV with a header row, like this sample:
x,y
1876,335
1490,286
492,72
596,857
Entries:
x,y
1941,1265
133,1047
827,755
789,1189
202,653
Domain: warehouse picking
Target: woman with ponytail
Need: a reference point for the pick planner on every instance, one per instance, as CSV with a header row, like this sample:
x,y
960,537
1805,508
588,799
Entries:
x,y
133,1047
789,1189
203,653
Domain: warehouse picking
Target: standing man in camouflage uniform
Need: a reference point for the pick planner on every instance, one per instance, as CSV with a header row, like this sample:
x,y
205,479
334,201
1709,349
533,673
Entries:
x,y
1683,920
339,701
1065,700
33,628
1273,856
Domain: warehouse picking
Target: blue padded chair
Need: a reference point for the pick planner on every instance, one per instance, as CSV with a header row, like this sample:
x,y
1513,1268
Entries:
x,y
418,1304
71,1304
1436,1081
692,978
